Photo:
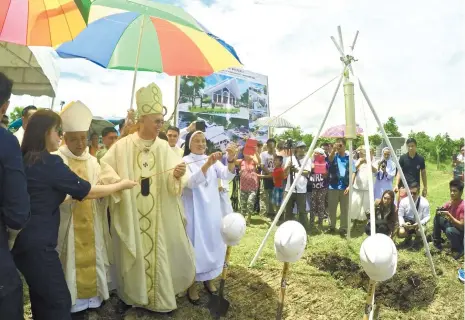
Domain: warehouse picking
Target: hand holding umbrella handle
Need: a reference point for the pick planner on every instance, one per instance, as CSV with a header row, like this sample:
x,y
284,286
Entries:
x,y
279,312
370,299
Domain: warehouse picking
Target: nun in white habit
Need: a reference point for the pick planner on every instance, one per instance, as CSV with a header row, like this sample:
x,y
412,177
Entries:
x,y
385,171
203,208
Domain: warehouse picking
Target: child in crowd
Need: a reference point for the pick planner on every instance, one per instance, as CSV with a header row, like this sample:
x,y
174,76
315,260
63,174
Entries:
x,y
278,176
278,180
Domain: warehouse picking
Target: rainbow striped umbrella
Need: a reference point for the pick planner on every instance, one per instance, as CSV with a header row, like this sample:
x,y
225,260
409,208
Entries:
x,y
135,41
46,23
92,10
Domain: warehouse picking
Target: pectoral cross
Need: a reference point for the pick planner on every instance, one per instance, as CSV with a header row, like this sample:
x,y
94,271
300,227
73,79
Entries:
x,y
145,164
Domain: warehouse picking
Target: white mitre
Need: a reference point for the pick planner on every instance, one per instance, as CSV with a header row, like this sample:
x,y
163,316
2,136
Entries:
x,y
76,117
290,241
378,257
233,228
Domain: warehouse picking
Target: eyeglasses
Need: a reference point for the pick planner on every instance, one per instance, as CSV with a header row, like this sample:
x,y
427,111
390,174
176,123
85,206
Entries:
x,y
159,122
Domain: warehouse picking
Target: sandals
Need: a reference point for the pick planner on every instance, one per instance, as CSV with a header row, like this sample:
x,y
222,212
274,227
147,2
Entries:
x,y
195,302
205,284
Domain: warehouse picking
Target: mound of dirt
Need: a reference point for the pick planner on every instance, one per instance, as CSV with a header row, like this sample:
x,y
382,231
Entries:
x,y
405,291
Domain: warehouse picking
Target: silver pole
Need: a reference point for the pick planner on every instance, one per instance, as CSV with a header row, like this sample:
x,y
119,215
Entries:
x,y
304,163
137,62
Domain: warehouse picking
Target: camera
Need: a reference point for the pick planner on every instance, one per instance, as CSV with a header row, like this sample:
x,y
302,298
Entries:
x,y
383,164
439,209
289,144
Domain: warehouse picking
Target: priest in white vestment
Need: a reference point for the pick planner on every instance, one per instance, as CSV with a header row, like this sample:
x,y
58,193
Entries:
x,y
204,211
154,258
83,238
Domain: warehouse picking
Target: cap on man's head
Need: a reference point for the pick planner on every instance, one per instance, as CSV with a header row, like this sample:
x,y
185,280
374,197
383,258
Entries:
x,y
76,117
300,144
149,100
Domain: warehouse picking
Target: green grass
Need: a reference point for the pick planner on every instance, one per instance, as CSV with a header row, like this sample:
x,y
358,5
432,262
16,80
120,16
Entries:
x,y
316,294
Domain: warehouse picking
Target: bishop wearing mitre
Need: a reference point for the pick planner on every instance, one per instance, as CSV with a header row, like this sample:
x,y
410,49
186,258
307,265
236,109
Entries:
x,y
83,239
154,258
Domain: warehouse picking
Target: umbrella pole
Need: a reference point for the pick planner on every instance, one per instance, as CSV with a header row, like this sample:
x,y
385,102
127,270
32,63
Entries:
x,y
304,163
176,100
137,62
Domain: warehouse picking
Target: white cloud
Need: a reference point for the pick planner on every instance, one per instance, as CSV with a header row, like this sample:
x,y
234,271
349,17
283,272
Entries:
x,y
411,59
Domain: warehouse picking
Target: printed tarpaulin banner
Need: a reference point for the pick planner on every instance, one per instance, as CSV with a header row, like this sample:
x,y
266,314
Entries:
x,y
229,102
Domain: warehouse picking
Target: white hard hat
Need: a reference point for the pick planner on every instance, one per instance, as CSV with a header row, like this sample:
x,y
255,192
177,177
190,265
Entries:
x,y
378,256
232,228
290,241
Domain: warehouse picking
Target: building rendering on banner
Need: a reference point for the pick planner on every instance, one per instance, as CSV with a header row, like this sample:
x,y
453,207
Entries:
x,y
229,102
225,93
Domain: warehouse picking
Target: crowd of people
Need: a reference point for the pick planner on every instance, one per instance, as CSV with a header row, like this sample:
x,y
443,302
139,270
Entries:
x,y
140,215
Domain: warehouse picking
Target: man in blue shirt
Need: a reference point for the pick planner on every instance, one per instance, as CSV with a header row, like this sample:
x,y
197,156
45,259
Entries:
x,y
14,211
338,181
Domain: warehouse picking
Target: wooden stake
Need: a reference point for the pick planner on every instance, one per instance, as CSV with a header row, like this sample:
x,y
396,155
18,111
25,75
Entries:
x,y
370,299
279,312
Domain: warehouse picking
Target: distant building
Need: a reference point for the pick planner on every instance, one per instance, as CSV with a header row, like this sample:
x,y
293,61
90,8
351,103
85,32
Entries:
x,y
258,101
224,93
398,144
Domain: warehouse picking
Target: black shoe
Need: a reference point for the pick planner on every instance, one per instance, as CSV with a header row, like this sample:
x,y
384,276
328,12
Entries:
x,y
437,245
407,243
342,232
458,256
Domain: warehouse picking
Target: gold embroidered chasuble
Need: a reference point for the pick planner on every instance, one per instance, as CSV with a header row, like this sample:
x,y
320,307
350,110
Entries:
x,y
154,258
84,243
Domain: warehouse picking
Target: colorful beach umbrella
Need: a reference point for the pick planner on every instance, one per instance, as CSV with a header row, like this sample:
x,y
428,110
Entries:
x,y
135,41
39,22
92,10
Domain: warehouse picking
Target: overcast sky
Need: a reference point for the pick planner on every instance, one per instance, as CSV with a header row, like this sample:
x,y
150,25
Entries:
x,y
411,60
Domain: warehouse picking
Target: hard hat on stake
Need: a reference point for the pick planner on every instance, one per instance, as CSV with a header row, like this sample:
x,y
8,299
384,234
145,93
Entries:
x,y
233,228
378,256
290,241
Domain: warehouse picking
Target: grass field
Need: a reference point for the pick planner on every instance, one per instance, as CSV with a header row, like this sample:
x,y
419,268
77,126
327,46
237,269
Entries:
x,y
327,282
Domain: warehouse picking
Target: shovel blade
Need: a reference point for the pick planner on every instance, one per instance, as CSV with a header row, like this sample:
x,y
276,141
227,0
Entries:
x,y
218,306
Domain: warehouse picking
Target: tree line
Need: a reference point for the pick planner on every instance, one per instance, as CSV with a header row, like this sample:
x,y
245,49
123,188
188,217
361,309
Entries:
x,y
440,148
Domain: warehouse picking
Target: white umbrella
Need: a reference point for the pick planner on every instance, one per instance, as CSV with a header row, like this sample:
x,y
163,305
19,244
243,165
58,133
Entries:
x,y
34,71
275,122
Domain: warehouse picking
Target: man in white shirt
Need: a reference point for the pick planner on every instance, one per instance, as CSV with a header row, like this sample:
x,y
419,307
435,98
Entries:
x,y
25,115
267,160
407,223
299,193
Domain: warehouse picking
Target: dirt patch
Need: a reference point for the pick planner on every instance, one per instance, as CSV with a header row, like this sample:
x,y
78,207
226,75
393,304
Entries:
x,y
405,291
249,295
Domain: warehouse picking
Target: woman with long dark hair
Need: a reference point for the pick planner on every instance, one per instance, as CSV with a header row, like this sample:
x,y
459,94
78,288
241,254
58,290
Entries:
x,y
50,181
385,214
